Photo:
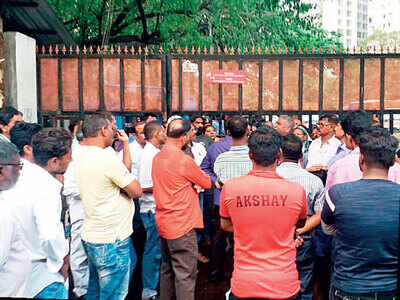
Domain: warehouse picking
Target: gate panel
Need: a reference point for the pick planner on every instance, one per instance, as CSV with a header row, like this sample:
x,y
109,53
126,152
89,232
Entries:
x,y
175,71
392,83
310,84
210,91
251,87
372,83
290,85
70,84
132,85
190,90
230,92
270,97
90,84
153,85
351,80
111,84
331,84
49,81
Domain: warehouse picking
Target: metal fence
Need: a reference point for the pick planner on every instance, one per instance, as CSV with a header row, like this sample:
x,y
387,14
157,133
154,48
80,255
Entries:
x,y
301,83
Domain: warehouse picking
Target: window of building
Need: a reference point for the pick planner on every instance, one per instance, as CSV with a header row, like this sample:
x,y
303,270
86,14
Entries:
x,y
348,32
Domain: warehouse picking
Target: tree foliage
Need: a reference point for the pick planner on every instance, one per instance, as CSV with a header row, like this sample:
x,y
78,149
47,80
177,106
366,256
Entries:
x,y
382,38
284,23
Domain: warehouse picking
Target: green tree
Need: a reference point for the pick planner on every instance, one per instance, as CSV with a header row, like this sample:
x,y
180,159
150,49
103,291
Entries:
x,y
381,38
284,23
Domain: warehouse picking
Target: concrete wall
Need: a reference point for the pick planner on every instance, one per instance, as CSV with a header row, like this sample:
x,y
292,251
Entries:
x,y
20,74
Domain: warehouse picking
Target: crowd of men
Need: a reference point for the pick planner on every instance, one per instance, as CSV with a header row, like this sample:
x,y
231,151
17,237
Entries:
x,y
101,213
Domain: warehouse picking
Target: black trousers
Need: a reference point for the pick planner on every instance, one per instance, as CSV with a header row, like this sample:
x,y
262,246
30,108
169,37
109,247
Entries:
x,y
139,240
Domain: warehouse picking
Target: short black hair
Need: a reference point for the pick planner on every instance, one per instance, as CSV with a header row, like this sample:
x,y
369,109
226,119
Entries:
x,y
237,126
264,145
6,114
93,123
378,147
136,124
355,122
194,117
73,123
149,114
177,128
50,142
21,134
332,118
292,147
150,129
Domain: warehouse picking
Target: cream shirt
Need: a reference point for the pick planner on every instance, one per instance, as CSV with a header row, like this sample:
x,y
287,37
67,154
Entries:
x,y
108,213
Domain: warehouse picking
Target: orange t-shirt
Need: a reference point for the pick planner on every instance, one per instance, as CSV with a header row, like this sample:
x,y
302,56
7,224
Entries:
x,y
177,203
264,209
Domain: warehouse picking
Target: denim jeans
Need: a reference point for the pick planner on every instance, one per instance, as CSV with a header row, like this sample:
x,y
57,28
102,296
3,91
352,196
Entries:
x,y
151,256
305,267
110,269
336,294
56,290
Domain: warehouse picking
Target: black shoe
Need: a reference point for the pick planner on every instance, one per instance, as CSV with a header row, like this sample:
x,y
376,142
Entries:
x,y
215,277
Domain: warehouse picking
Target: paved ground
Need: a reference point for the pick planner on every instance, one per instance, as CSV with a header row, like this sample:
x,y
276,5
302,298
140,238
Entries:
x,y
213,291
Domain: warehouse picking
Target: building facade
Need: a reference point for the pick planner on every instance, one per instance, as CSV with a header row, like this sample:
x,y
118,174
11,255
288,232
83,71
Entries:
x,y
347,17
383,15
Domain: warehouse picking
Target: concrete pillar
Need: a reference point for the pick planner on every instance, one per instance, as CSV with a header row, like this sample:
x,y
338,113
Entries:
x,y
2,84
20,74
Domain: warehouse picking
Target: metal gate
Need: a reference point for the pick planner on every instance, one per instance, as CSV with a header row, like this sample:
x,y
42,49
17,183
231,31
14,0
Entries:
x,y
131,81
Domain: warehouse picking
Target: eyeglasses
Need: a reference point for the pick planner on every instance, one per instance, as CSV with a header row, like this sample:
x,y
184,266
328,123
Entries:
x,y
19,165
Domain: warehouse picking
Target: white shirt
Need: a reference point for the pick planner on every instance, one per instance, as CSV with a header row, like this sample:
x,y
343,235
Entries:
x,y
147,202
321,155
136,153
15,265
36,200
199,152
71,190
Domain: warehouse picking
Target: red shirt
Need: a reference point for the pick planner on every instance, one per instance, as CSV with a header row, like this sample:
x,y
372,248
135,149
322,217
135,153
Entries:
x,y
264,209
177,202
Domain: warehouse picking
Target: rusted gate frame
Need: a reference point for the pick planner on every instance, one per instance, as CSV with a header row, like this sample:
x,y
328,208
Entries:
x,y
166,82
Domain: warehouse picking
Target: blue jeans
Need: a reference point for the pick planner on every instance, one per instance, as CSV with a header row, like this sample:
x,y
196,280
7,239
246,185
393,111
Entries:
x,y
151,256
305,267
336,294
110,269
56,290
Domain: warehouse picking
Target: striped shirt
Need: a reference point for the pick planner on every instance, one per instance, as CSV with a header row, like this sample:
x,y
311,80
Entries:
x,y
233,163
311,183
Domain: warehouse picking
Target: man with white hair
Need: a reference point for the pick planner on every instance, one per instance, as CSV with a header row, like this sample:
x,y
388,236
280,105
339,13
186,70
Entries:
x,y
284,125
15,265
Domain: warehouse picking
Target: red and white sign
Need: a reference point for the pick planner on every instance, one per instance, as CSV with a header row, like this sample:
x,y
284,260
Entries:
x,y
224,76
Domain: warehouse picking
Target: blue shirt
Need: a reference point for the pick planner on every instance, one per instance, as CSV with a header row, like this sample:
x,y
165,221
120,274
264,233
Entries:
x,y
366,216
208,162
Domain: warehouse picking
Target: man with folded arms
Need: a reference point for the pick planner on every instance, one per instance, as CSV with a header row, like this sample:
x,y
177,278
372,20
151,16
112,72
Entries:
x,y
263,210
